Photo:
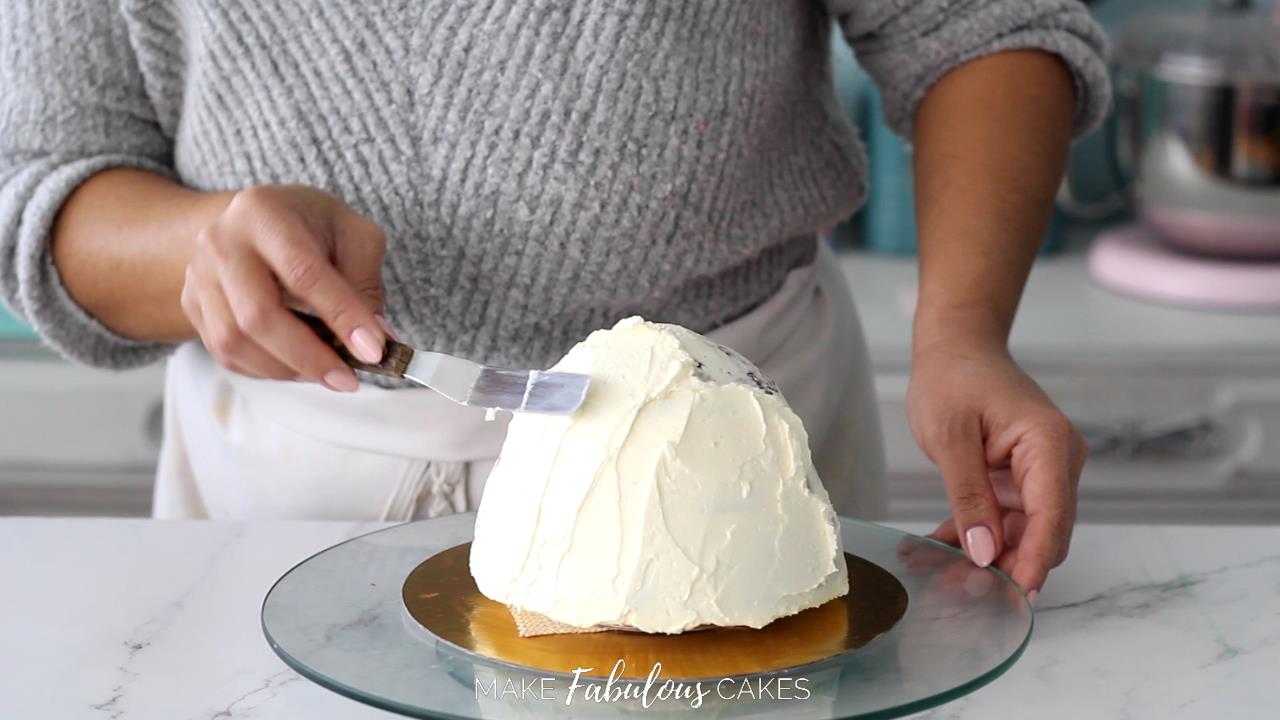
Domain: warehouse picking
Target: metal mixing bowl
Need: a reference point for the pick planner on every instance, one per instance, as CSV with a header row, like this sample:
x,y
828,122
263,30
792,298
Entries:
x,y
1198,127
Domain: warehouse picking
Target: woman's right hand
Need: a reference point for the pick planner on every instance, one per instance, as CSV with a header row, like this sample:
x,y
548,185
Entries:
x,y
273,242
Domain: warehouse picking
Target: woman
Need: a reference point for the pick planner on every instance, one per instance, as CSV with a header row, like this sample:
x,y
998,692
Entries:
x,y
496,179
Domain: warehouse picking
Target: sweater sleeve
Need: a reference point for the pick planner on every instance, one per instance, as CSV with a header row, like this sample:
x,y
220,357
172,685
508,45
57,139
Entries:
x,y
72,103
907,45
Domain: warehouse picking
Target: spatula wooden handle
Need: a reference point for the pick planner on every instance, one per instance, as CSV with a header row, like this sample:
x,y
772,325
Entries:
x,y
395,356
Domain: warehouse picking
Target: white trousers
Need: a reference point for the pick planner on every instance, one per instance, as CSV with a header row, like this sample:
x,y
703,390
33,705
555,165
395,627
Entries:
x,y
239,448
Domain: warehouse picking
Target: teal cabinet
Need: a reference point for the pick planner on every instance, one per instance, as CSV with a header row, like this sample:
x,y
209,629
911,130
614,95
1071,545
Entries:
x,y
11,329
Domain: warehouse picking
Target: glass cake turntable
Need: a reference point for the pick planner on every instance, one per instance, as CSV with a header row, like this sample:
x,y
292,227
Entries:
x,y
392,619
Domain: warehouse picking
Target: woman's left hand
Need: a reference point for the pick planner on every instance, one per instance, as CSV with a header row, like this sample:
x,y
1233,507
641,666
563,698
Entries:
x,y
1010,459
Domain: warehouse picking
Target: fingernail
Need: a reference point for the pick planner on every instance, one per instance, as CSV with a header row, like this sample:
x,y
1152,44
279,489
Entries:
x,y
366,345
386,327
981,544
341,380
1031,597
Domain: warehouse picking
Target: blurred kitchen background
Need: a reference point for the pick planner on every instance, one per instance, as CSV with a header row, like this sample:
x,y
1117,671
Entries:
x,y
1152,317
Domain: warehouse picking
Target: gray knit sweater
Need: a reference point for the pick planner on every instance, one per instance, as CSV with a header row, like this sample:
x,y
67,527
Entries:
x,y
541,168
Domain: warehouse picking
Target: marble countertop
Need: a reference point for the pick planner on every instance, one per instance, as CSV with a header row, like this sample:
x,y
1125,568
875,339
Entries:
x,y
146,619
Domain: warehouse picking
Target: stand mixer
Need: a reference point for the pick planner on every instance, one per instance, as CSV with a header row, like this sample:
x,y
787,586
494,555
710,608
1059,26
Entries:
x,y
1195,142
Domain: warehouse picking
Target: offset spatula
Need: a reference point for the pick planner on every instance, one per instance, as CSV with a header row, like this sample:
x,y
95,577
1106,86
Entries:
x,y
465,382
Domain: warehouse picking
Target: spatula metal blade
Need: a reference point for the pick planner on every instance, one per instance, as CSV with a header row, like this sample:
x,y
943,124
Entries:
x,y
554,393
465,382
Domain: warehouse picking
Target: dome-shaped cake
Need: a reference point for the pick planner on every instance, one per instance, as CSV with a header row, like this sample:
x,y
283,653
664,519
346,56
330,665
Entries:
x,y
680,494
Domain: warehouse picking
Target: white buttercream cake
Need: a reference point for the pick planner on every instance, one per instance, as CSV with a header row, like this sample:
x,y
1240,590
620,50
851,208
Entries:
x,y
681,494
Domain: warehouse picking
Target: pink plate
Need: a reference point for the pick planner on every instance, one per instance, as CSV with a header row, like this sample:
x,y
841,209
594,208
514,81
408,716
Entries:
x,y
1128,259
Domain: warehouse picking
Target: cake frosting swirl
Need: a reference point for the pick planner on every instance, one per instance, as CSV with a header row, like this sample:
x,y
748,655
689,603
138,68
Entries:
x,y
681,494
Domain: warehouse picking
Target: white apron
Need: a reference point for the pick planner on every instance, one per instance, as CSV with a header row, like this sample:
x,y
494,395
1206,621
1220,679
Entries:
x,y
239,448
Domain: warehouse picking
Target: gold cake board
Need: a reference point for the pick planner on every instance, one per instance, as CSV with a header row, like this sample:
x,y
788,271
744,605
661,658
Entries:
x,y
442,597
